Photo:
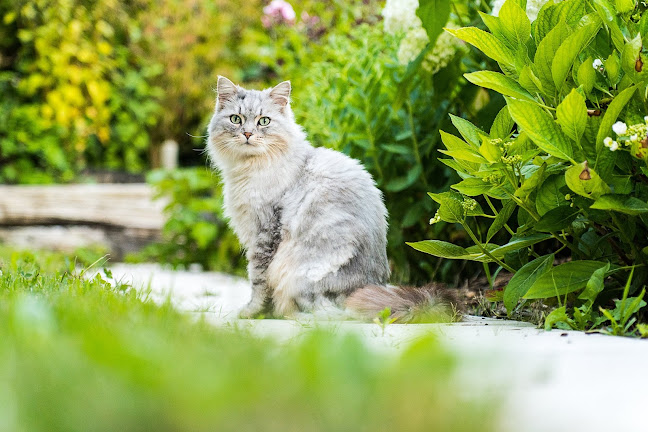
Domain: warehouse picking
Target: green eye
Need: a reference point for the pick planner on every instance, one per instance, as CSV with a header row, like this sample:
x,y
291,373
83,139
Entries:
x,y
235,119
264,121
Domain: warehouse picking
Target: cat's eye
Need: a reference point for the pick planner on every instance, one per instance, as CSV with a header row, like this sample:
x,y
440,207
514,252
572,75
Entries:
x,y
235,119
264,121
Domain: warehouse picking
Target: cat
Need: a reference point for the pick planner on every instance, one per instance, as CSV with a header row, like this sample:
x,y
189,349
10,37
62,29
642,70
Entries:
x,y
311,220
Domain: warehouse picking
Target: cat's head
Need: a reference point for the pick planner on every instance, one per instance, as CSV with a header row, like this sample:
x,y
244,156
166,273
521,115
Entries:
x,y
251,123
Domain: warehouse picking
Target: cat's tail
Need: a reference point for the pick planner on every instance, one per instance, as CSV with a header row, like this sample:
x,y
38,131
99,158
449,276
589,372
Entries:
x,y
431,303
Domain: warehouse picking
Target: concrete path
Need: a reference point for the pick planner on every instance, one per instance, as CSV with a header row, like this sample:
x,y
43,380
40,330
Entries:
x,y
547,381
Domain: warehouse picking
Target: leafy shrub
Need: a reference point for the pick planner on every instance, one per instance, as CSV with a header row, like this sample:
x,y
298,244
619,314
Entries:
x,y
73,94
562,173
196,230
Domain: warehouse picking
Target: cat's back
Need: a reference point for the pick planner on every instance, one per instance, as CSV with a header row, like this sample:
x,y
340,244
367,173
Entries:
x,y
333,181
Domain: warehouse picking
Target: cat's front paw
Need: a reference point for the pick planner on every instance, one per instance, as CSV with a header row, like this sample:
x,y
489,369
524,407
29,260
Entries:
x,y
251,310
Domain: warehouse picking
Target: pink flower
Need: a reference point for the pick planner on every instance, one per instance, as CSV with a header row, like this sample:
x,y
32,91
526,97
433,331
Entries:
x,y
279,10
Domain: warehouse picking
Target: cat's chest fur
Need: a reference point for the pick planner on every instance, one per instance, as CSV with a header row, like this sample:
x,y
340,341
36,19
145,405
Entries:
x,y
254,194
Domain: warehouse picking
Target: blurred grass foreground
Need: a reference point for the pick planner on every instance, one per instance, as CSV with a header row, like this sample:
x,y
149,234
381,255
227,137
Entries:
x,y
81,355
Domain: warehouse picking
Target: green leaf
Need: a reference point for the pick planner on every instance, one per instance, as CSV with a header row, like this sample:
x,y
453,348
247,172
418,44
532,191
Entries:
x,y
397,149
400,183
624,6
441,249
465,155
586,75
585,181
515,23
629,56
460,166
452,210
487,43
556,219
502,125
524,278
455,143
541,128
565,278
501,219
519,243
529,81
490,151
622,204
434,15
545,55
472,186
500,83
572,115
558,315
621,184
569,50
568,11
605,158
594,285
531,183
549,195
608,14
471,133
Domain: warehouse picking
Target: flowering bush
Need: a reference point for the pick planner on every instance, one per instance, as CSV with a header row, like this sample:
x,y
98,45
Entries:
x,y
562,174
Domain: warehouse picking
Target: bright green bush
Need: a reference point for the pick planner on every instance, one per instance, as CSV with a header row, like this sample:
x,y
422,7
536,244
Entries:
x,y
73,94
556,176
80,355
196,230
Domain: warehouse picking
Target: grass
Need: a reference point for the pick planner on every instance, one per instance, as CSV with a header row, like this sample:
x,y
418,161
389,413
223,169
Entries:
x,y
81,355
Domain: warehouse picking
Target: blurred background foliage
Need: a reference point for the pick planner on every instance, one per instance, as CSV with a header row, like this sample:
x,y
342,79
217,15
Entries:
x,y
92,85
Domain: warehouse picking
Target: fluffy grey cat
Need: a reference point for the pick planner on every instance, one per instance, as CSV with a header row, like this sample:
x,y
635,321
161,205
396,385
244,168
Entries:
x,y
311,220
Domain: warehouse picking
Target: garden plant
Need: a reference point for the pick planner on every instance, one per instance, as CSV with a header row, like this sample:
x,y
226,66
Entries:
x,y
555,191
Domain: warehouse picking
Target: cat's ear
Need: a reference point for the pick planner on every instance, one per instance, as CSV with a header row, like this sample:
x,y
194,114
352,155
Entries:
x,y
280,94
226,91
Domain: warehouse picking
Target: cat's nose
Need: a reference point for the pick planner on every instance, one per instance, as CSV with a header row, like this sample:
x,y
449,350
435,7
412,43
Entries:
x,y
247,134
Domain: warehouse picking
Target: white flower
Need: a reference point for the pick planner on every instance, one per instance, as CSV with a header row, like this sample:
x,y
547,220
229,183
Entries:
x,y
646,119
400,16
532,8
634,137
597,64
607,141
415,40
614,146
620,128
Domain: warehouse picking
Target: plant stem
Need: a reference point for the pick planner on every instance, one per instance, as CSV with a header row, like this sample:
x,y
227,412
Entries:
x,y
484,251
417,154
490,204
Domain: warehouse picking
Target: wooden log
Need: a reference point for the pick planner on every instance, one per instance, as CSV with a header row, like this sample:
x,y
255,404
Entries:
x,y
117,205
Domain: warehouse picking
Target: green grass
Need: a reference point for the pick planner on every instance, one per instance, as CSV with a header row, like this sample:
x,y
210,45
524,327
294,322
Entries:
x,y
80,355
